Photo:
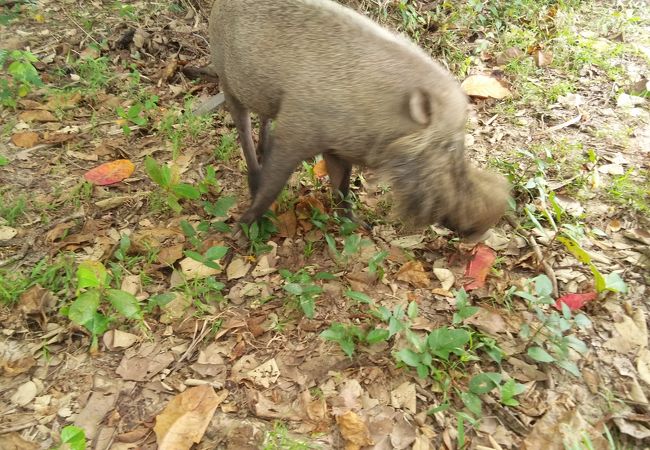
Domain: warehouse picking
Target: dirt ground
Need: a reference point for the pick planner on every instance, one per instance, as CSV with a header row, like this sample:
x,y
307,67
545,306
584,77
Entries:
x,y
308,334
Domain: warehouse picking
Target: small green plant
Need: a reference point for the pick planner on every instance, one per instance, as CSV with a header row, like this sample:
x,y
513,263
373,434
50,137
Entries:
x,y
259,233
19,76
219,210
95,297
302,288
137,114
126,11
173,189
278,439
630,191
210,257
73,438
348,336
178,126
463,309
3,160
550,340
94,73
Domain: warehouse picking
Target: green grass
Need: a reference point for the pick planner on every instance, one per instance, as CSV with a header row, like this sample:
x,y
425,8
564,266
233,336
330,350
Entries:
x,y
632,190
56,276
227,147
12,208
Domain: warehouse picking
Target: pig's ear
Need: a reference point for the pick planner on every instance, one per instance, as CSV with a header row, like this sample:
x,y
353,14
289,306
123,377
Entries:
x,y
420,107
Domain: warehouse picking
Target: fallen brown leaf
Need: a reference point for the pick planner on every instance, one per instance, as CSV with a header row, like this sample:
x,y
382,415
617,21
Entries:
x,y
37,115
186,417
354,430
27,139
485,86
413,273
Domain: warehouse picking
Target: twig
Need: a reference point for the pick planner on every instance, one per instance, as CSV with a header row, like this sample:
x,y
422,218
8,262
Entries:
x,y
548,270
19,427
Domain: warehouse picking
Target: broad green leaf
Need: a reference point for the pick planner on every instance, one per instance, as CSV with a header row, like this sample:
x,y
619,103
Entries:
x,y
173,204
358,296
124,303
570,367
293,288
83,309
74,436
161,175
614,283
472,402
334,333
408,357
483,383
412,310
539,354
194,255
347,346
395,326
184,190
216,252
543,286
443,341
574,248
91,274
307,305
377,335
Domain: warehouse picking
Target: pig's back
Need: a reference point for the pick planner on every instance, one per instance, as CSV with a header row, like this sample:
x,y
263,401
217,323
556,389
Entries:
x,y
334,60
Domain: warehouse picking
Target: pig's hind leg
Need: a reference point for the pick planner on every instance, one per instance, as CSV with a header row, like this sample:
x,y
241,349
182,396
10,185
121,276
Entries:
x,y
264,142
241,117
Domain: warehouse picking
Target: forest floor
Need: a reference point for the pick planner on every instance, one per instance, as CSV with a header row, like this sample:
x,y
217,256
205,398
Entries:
x,y
132,319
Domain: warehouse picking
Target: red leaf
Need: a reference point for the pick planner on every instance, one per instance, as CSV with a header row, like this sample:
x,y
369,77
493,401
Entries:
x,y
479,266
110,172
575,301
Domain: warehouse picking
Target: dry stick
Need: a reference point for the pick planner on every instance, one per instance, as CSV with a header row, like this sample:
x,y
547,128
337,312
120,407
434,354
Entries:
x,y
548,270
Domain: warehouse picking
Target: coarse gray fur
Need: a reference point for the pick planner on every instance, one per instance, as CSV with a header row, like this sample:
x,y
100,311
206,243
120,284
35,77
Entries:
x,y
336,83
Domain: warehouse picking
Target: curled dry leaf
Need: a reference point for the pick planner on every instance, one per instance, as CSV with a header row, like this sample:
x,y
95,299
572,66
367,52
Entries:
x,y
542,58
320,169
575,301
111,172
27,139
485,86
354,430
413,273
445,276
186,417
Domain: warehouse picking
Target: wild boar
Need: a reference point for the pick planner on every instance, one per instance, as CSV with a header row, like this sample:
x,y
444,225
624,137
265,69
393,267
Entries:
x,y
336,83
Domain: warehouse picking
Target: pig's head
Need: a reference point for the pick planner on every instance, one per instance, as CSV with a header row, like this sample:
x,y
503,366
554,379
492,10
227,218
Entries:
x,y
432,181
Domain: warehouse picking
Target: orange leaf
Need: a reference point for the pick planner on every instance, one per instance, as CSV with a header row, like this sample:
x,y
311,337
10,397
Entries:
x,y
575,301
479,266
111,172
320,169
27,139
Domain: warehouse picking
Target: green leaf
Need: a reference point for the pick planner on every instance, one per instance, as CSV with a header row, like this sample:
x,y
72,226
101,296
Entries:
x,y
173,204
614,283
377,335
124,303
184,190
74,436
216,252
508,391
422,371
335,332
91,274
358,297
347,345
574,248
194,255
157,173
222,206
472,402
412,310
408,357
483,383
97,326
83,309
543,286
570,367
539,354
293,288
582,321
395,326
443,341
307,305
